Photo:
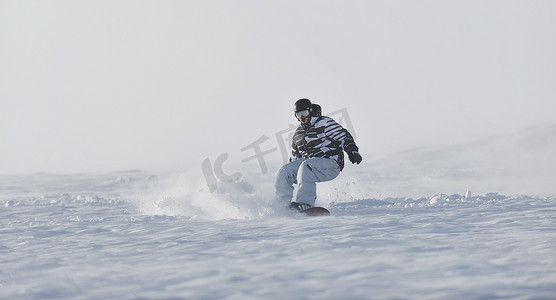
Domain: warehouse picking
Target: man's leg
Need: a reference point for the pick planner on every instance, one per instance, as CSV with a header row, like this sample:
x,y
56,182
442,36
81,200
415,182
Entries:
x,y
311,171
285,178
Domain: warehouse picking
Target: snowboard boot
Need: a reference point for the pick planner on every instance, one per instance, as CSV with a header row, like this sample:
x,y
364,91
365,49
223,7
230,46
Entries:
x,y
299,206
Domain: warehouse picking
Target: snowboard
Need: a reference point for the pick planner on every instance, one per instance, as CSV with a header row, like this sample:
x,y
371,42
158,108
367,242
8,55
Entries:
x,y
311,211
315,211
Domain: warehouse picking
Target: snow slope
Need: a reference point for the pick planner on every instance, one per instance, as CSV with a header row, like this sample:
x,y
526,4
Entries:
x,y
402,227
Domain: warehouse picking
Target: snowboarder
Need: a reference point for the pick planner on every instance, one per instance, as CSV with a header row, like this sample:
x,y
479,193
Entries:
x,y
317,155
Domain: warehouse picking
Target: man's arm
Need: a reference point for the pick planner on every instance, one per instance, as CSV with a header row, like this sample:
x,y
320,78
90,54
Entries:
x,y
339,133
295,153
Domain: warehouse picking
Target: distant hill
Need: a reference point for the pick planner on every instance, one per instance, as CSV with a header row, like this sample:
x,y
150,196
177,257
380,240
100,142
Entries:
x,y
523,161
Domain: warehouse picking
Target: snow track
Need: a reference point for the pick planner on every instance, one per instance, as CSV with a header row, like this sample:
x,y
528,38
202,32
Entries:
x,y
103,242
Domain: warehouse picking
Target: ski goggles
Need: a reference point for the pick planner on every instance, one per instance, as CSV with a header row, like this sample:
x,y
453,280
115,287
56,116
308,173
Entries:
x,y
302,113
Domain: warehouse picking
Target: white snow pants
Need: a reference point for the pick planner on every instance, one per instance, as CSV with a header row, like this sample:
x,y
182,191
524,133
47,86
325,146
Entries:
x,y
306,172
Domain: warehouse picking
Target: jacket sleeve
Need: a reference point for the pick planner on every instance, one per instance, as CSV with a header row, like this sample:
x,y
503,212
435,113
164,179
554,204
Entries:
x,y
295,152
338,133
349,143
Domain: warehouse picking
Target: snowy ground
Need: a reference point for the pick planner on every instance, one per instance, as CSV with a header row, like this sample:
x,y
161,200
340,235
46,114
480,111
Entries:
x,y
392,234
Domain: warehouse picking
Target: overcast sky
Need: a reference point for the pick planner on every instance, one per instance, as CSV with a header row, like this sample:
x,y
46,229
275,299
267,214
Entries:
x,y
109,85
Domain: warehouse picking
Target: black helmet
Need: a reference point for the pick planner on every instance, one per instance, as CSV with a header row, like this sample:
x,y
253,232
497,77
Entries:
x,y
302,104
316,111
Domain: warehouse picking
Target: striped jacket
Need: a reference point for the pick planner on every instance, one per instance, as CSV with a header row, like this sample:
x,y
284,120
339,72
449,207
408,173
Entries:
x,y
322,137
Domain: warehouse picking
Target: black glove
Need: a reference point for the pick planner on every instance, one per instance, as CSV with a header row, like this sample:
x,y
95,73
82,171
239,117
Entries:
x,y
355,157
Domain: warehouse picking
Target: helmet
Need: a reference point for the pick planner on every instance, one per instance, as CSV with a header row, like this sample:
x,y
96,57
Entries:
x,y
316,111
302,110
302,104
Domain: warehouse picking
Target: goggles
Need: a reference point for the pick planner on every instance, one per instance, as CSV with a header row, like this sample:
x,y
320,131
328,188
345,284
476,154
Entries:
x,y
302,113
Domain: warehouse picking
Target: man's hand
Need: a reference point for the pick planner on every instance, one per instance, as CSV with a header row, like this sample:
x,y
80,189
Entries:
x,y
355,157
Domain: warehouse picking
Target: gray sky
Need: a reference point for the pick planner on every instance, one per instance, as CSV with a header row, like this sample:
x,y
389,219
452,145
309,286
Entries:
x,y
109,85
